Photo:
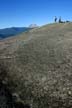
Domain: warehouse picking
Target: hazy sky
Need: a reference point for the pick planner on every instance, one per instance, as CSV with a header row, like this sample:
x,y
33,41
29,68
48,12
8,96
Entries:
x,y
26,12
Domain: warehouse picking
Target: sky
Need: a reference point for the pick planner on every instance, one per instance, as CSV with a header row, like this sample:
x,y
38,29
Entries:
x,y
22,13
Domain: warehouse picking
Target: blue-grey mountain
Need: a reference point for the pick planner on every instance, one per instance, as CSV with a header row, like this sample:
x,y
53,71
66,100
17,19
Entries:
x,y
7,32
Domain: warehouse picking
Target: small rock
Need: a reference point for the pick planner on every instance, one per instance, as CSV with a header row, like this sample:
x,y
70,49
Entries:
x,y
69,93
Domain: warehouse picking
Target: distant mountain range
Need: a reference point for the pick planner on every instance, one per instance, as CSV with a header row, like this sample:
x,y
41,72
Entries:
x,y
33,25
7,32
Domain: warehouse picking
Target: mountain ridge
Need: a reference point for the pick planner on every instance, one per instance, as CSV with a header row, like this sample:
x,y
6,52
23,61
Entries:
x,y
8,32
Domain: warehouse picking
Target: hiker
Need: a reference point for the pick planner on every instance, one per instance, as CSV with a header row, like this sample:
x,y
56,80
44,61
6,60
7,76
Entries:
x,y
60,20
55,19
